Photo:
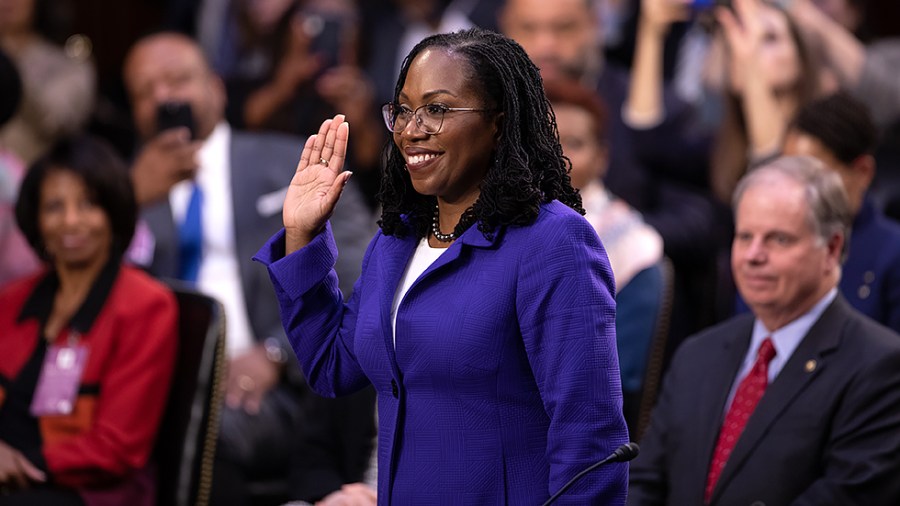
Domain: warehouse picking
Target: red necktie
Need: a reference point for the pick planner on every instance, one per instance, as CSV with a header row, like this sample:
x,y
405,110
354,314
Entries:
x,y
747,396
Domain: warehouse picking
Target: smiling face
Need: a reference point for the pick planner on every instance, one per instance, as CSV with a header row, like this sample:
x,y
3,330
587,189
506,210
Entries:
x,y
74,228
780,265
451,163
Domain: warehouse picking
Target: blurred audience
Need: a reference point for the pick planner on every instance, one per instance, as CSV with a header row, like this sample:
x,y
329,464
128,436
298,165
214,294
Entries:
x,y
871,72
563,39
798,402
839,131
16,257
760,67
634,248
58,83
290,64
87,346
209,194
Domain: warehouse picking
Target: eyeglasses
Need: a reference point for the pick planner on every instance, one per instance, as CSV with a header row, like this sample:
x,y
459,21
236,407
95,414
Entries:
x,y
429,117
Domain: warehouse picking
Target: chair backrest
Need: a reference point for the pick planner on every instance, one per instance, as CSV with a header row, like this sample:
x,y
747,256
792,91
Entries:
x,y
185,447
659,349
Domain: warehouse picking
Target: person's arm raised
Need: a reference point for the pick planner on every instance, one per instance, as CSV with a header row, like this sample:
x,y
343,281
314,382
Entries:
x,y
317,184
644,106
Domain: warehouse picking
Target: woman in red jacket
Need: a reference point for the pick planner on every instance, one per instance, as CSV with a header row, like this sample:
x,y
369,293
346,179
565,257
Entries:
x,y
87,346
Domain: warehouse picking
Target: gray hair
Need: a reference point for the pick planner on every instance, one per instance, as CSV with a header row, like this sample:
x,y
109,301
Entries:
x,y
828,207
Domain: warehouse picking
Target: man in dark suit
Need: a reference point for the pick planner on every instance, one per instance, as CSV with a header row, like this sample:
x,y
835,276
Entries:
x,y
798,402
210,197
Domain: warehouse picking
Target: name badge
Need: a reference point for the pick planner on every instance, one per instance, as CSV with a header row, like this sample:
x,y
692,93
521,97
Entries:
x,y
57,386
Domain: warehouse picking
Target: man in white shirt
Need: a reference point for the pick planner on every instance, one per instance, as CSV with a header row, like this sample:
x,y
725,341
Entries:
x,y
798,402
210,197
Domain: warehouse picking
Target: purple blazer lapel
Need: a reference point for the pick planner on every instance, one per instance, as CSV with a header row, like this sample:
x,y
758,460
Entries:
x,y
393,256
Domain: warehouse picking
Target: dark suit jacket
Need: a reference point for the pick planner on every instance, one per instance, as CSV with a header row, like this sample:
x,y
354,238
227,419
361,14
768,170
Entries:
x,y
827,430
871,276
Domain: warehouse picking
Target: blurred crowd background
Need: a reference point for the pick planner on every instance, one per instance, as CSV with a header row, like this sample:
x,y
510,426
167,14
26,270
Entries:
x,y
661,105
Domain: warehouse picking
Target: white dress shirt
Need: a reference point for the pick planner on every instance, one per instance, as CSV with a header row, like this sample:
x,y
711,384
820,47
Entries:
x,y
219,270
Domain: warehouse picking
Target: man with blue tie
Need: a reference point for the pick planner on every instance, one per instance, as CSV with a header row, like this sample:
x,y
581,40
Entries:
x,y
797,403
210,197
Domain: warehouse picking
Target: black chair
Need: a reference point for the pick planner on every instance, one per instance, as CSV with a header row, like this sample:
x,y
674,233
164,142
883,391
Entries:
x,y
659,353
185,447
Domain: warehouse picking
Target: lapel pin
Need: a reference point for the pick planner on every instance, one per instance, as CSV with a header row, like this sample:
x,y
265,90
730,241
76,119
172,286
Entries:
x,y
810,365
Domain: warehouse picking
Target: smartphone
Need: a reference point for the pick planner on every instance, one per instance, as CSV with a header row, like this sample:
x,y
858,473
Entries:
x,y
175,114
328,36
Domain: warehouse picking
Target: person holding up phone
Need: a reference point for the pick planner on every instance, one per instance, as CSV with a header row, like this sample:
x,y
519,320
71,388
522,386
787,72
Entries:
x,y
306,70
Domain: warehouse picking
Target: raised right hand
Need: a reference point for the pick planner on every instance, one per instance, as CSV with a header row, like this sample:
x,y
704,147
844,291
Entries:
x,y
317,184
659,15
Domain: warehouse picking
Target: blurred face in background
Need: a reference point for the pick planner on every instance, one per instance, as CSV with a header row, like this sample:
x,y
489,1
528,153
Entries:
x,y
560,36
578,136
856,176
171,68
74,228
779,56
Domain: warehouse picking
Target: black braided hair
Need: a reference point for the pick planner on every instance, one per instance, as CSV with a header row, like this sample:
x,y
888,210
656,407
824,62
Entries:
x,y
528,167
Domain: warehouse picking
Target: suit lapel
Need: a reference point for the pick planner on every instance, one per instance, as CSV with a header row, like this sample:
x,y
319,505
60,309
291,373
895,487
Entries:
x,y
393,259
823,338
242,198
165,252
714,391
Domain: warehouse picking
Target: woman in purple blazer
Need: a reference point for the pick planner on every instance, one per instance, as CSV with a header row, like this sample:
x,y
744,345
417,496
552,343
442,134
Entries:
x,y
484,315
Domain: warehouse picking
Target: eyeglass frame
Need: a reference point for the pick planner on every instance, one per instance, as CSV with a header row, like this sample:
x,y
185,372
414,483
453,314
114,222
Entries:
x,y
387,114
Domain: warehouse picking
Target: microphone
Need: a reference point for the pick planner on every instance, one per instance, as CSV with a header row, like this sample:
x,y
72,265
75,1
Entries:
x,y
623,453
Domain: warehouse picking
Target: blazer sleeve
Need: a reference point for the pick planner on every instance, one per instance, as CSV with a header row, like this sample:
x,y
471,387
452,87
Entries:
x,y
319,325
566,313
860,464
133,393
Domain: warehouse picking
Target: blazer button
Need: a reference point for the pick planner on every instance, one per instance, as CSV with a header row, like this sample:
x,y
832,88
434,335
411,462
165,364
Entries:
x,y
395,391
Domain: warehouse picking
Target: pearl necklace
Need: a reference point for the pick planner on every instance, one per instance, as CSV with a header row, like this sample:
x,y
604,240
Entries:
x,y
436,229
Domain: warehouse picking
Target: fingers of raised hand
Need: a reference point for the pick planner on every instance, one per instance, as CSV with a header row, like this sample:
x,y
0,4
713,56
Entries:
x,y
306,154
339,153
330,139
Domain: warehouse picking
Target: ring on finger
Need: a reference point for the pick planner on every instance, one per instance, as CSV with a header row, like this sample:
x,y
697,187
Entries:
x,y
246,383
323,161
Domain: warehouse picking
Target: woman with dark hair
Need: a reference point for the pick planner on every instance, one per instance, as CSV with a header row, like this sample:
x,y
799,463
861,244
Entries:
x,y
87,346
484,315
759,71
